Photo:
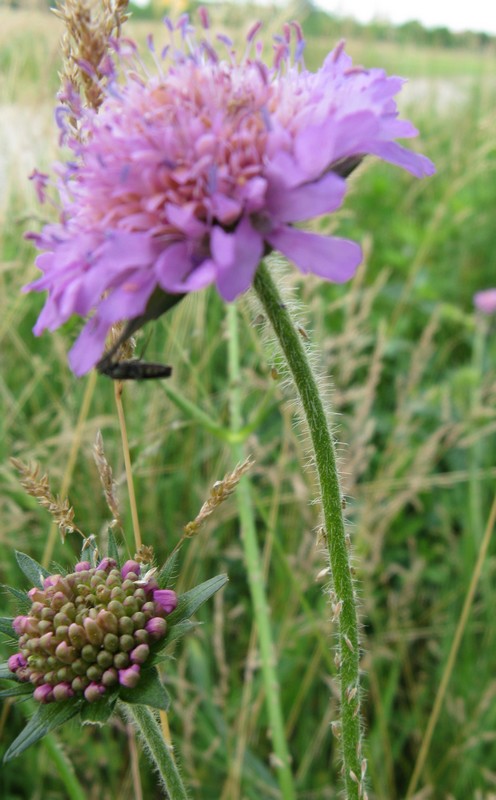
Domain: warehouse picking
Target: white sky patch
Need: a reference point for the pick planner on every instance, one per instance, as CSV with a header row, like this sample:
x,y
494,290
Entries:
x,y
477,15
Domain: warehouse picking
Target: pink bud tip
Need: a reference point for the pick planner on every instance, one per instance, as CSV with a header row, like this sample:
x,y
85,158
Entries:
x,y
83,566
51,580
166,599
63,691
130,566
107,564
19,624
93,692
156,627
16,662
43,694
129,677
140,654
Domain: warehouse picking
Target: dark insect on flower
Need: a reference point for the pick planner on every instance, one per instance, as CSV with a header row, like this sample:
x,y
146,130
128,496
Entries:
x,y
133,370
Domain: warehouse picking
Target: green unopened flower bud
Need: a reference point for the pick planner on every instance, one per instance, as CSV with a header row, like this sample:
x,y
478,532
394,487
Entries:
x,y
111,643
33,644
47,642
131,605
140,595
128,586
117,594
51,662
61,633
93,631
80,683
126,625
44,626
110,677
141,636
69,609
47,614
140,654
65,653
121,660
93,692
107,621
77,635
89,653
79,666
61,619
103,594
139,619
97,579
148,608
51,677
62,691
94,672
126,643
116,608
105,659
65,674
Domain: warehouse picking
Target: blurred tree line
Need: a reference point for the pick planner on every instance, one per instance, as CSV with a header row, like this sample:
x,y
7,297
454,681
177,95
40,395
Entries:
x,y
316,23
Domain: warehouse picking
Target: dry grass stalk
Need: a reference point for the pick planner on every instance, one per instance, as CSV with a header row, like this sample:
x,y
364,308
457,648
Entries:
x,y
89,25
37,486
219,492
107,480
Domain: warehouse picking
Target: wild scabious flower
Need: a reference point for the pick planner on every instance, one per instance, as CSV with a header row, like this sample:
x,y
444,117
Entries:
x,y
189,176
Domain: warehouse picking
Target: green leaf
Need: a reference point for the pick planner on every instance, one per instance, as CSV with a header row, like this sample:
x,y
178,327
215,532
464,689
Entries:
x,y
17,689
33,571
162,651
165,577
22,598
150,691
45,719
113,550
190,602
6,626
5,672
100,712
57,569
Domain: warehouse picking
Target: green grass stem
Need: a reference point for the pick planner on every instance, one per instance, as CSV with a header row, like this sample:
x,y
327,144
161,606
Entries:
x,y
255,572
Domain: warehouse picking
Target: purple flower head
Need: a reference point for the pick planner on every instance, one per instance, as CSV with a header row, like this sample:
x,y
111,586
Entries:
x,y
190,176
486,301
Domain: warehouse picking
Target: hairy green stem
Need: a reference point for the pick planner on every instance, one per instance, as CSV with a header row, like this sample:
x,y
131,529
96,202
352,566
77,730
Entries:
x,y
157,750
343,596
255,573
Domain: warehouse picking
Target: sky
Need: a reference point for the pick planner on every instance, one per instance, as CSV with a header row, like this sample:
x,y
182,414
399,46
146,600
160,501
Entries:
x,y
476,15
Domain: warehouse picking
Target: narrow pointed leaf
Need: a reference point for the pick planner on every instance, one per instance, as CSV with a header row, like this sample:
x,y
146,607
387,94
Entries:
x,y
5,672
165,577
150,691
45,719
190,602
113,550
6,626
17,689
100,712
57,569
33,571
21,597
162,653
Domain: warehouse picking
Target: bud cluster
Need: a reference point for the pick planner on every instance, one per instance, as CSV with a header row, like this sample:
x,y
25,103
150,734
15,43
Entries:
x,y
90,631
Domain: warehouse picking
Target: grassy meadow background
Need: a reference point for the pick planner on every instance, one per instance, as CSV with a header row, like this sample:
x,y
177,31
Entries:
x,y
414,406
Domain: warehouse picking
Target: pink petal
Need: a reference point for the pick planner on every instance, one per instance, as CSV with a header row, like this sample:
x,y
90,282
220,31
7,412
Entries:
x,y
306,201
328,256
237,256
486,301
